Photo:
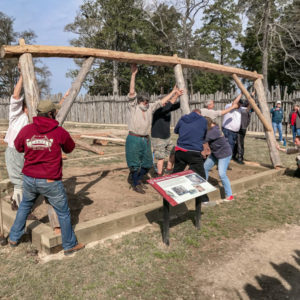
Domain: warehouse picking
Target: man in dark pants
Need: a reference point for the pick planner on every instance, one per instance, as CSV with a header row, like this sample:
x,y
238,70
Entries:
x,y
191,129
238,152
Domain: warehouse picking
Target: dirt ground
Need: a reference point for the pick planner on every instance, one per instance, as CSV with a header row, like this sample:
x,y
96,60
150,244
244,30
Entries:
x,y
264,267
97,188
99,191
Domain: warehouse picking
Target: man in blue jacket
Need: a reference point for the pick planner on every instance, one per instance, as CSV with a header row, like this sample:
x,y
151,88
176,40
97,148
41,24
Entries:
x,y
191,129
277,117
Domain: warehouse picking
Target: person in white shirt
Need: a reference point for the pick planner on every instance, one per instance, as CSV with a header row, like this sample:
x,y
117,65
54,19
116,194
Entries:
x,y
18,118
232,122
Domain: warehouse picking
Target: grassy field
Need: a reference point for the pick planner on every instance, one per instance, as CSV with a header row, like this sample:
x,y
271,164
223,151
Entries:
x,y
139,265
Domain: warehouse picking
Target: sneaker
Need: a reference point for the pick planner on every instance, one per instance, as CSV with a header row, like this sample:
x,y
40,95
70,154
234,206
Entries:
x,y
138,188
240,162
282,142
76,248
230,198
168,171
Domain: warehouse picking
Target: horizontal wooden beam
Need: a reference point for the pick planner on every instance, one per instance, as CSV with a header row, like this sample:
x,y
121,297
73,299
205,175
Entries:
x,y
148,59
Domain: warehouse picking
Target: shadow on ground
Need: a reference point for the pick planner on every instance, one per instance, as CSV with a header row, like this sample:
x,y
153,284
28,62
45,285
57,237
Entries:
x,y
272,288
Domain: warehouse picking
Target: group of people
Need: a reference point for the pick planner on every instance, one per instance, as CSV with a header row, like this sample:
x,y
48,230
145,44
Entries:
x,y
277,115
34,152
201,143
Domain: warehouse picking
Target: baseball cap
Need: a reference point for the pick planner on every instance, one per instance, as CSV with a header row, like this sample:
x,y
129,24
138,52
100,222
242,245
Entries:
x,y
46,106
278,102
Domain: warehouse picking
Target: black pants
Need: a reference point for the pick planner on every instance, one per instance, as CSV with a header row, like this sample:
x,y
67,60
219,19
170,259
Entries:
x,y
195,162
238,151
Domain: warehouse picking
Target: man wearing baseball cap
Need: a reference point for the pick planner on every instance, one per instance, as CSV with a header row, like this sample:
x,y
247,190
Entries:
x,y
42,142
277,117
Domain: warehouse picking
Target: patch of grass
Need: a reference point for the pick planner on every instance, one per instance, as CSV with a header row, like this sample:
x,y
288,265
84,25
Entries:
x,y
139,266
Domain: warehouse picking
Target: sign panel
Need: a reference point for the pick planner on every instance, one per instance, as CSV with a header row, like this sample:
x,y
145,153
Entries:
x,y
180,187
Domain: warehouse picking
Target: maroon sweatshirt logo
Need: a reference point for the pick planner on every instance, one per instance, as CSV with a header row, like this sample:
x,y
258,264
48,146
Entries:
x,y
39,142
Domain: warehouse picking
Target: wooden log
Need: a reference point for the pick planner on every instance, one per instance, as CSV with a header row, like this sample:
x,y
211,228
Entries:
x,y
85,146
267,125
103,138
76,85
31,89
184,99
157,60
271,141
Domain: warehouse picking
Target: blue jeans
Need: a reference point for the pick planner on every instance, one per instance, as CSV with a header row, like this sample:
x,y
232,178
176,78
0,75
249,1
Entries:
x,y
279,127
231,136
222,168
298,131
56,195
294,131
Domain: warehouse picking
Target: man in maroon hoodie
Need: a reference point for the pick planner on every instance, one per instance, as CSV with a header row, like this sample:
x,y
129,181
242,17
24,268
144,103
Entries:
x,y
42,142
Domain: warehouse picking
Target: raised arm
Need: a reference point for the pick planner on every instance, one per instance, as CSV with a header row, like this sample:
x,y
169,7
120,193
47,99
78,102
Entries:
x,y
134,70
174,93
175,96
64,97
233,106
18,88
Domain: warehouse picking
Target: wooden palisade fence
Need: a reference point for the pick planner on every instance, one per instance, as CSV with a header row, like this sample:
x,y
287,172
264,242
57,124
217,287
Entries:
x,y
111,109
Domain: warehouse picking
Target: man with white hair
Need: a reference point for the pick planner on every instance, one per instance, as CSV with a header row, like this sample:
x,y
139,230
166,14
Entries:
x,y
209,112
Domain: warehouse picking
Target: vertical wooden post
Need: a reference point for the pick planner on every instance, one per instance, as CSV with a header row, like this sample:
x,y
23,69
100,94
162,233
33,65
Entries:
x,y
198,211
184,99
76,85
166,222
31,89
271,141
32,98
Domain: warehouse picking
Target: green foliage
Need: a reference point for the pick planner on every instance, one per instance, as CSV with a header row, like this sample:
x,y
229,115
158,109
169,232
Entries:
x,y
222,26
8,67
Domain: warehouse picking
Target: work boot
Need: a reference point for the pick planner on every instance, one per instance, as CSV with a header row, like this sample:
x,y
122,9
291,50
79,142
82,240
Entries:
x,y
138,188
14,205
76,248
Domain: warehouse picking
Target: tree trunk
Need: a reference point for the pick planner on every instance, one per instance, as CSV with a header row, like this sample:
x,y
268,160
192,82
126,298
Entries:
x,y
265,47
115,79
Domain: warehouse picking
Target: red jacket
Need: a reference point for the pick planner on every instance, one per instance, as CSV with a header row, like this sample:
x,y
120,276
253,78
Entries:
x,y
42,142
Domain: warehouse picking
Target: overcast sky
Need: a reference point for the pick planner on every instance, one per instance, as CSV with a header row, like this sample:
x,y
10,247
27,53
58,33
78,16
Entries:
x,y
47,18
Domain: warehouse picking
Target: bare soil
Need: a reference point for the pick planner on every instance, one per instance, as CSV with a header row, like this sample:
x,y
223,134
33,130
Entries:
x,y
264,267
102,190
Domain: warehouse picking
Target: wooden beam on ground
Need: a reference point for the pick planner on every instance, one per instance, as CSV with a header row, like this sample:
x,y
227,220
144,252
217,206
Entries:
x,y
148,59
103,138
184,99
31,89
271,141
76,85
267,125
85,146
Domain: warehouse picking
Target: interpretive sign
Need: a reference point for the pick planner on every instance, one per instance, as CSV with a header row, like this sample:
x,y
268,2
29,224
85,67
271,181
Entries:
x,y
180,187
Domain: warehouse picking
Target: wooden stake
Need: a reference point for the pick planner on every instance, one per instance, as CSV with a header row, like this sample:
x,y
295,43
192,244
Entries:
x,y
184,99
271,141
76,85
267,125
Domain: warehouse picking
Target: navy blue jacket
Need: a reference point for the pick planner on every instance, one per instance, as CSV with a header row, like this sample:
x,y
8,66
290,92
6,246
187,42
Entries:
x,y
192,130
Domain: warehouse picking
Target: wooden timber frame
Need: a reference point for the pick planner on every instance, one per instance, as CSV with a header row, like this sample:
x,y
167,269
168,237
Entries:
x,y
26,52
